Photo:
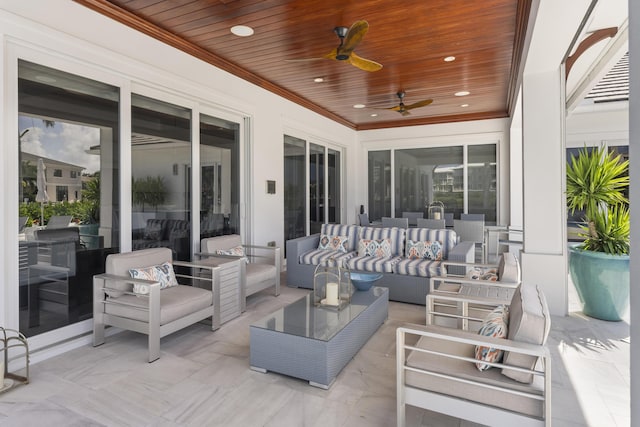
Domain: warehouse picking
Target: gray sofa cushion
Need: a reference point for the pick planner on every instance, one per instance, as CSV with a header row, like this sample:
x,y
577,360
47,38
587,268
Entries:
x,y
396,235
418,267
349,230
529,322
175,302
373,263
467,371
325,257
448,238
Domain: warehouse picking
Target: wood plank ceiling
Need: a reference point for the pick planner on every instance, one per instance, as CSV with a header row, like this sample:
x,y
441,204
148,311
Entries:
x,y
410,38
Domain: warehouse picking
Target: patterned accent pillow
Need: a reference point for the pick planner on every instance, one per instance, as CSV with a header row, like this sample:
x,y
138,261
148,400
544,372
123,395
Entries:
x,y
237,251
479,273
162,273
334,243
375,247
424,249
495,325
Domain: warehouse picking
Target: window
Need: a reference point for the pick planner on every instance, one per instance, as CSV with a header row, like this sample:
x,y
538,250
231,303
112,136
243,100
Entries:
x,y
62,193
55,265
439,174
74,174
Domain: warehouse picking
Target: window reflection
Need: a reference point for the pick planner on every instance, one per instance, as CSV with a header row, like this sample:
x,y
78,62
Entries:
x,y
160,176
69,151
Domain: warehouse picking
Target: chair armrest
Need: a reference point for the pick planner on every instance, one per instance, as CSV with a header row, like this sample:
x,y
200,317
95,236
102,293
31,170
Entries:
x,y
296,247
471,338
462,252
464,281
212,255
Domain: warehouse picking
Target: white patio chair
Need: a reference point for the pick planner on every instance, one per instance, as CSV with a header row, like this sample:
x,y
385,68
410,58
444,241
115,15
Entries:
x,y
440,371
465,300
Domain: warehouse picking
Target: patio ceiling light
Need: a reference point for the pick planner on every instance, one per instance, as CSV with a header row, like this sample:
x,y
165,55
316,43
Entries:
x,y
242,30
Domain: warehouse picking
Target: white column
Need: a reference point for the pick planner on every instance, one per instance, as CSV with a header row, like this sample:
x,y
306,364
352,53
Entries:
x,y
634,192
544,256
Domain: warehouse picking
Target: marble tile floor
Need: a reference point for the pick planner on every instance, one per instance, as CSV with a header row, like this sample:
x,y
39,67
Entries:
x,y
203,379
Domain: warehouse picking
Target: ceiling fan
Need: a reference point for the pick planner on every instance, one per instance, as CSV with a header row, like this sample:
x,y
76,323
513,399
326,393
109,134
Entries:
x,y
349,39
404,109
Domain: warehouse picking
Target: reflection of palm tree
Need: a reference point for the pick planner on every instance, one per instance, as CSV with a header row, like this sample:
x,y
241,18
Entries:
x,y
149,190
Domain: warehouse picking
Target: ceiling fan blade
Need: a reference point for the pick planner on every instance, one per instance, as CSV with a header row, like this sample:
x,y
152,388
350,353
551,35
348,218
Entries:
x,y
353,37
419,104
397,108
364,64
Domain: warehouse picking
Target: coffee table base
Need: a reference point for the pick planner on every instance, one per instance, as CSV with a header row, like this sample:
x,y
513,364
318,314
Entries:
x,y
316,361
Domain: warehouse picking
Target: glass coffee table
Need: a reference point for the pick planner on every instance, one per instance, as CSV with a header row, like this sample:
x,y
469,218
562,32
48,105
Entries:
x,y
315,343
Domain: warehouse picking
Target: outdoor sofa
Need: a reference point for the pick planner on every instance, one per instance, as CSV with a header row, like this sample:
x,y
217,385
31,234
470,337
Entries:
x,y
406,276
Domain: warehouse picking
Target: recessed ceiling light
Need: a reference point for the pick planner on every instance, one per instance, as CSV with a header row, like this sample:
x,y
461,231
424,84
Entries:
x,y
464,105
374,115
359,106
462,93
242,30
449,59
318,79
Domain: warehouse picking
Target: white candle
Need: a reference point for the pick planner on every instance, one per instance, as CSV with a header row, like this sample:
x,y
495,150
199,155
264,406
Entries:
x,y
1,372
436,215
332,293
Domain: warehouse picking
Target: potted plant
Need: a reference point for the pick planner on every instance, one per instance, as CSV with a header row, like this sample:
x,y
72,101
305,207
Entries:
x,y
599,266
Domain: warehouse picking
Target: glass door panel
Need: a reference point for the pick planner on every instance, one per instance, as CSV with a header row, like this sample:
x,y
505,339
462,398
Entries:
x,y
295,199
333,193
219,177
481,169
69,154
316,187
160,166
379,184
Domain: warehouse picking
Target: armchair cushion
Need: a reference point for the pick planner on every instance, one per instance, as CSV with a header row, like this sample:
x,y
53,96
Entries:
x,y
162,273
235,251
120,266
508,268
467,371
529,322
175,303
494,325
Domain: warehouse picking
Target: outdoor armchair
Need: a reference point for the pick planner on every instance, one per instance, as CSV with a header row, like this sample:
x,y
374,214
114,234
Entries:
x,y
151,310
447,370
467,299
263,266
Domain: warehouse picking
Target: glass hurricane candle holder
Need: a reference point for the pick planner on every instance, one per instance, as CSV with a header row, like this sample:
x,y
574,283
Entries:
x,y
332,287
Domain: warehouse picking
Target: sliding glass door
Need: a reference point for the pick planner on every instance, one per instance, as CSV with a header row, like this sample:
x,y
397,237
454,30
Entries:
x,y
313,184
69,153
